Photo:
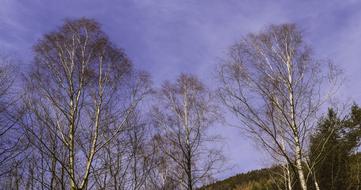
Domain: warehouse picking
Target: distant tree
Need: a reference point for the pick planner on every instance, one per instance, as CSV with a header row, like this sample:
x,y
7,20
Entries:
x,y
80,92
272,83
127,163
161,177
183,114
337,139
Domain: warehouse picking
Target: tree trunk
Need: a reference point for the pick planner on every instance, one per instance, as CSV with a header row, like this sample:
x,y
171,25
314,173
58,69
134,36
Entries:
x,y
189,174
289,182
294,126
315,182
72,147
300,172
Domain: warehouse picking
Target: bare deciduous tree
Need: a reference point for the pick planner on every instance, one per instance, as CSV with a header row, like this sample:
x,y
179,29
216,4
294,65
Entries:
x,y
79,94
128,161
6,125
11,141
272,84
184,113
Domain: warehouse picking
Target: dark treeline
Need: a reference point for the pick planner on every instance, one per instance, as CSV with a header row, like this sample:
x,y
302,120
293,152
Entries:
x,y
84,118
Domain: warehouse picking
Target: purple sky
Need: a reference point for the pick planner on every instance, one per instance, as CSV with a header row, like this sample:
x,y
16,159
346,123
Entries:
x,y
167,37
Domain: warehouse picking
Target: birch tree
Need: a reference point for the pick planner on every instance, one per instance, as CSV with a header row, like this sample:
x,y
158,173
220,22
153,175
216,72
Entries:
x,y
184,113
79,94
273,85
128,161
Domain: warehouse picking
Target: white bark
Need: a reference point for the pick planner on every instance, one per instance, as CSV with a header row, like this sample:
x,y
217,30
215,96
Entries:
x,y
272,84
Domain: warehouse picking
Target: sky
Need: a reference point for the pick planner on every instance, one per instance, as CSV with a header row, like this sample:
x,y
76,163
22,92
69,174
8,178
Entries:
x,y
168,37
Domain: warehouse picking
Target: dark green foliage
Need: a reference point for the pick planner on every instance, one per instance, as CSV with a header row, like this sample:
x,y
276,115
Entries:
x,y
327,150
261,179
354,172
332,146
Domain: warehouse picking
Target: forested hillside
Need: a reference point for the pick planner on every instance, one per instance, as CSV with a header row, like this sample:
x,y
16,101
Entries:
x,y
257,180
269,179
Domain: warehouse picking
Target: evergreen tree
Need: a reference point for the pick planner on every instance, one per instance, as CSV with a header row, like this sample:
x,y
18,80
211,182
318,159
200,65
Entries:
x,y
331,148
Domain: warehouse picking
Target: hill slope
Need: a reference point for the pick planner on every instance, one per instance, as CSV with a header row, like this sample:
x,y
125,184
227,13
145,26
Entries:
x,y
253,180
